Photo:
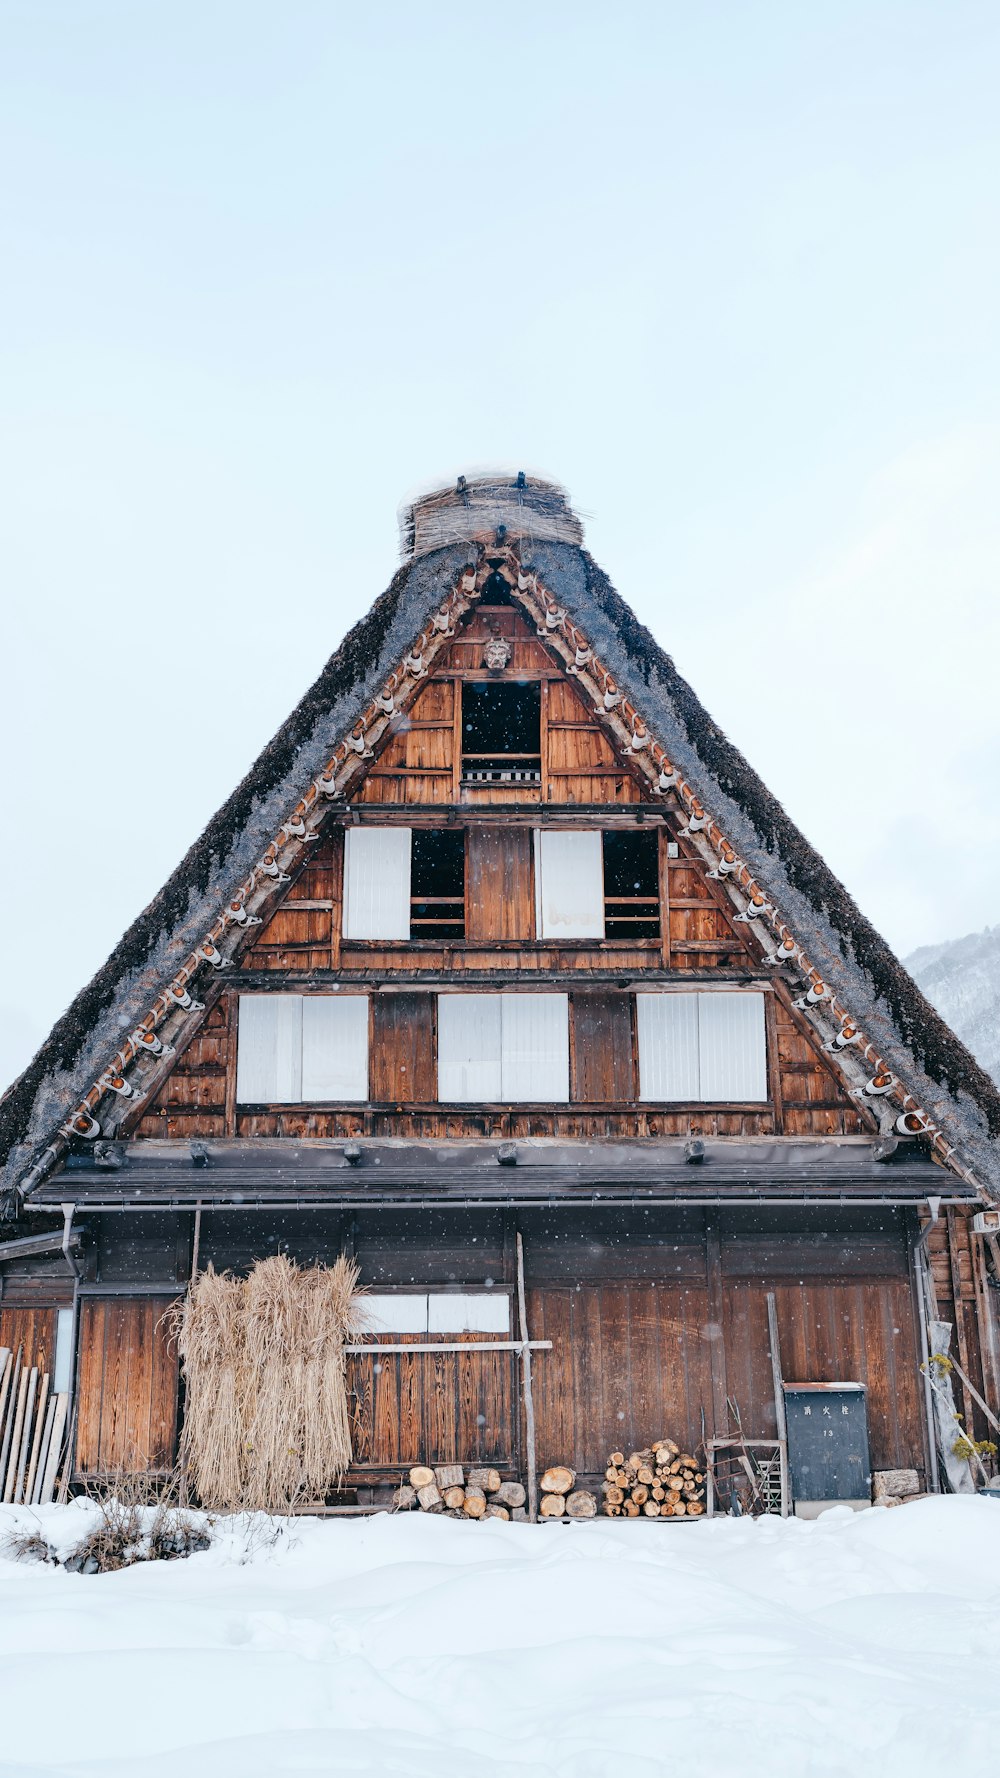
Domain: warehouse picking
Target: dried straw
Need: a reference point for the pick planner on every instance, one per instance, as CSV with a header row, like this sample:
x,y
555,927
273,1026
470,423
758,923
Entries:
x,y
266,1420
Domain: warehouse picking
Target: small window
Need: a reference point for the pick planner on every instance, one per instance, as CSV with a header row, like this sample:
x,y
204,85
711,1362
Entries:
x,y
707,1048
631,883
436,1312
501,732
437,883
62,1369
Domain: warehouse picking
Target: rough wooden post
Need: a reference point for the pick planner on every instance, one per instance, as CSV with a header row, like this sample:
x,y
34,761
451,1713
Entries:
x,y
529,1406
779,1398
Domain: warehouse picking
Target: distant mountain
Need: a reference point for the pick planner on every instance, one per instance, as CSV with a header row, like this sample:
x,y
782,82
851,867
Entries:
x,y
962,979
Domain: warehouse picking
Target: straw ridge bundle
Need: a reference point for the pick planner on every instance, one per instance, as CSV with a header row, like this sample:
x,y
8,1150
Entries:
x,y
266,1420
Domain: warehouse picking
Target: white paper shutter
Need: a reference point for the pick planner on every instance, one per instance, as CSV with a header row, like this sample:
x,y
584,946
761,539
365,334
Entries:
x,y
393,1313
535,1048
486,1312
732,1047
335,1046
468,1048
569,884
377,882
667,1026
269,1049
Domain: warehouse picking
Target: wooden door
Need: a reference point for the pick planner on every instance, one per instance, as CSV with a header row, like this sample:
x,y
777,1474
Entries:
x,y
127,1391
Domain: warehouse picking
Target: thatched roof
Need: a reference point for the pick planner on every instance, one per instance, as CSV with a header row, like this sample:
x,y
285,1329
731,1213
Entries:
x,y
857,963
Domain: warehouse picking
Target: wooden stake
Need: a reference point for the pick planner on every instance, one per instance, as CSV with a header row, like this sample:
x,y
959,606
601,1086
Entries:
x,y
529,1405
779,1398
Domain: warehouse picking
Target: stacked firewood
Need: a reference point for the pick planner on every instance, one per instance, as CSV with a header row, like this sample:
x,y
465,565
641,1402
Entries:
x,y
480,1494
561,1498
660,1482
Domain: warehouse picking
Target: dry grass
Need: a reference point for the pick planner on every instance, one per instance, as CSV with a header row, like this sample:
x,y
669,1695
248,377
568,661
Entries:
x,y
29,1546
266,1420
139,1521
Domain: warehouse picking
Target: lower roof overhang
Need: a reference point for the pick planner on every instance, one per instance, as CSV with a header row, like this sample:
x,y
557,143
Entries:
x,y
398,1172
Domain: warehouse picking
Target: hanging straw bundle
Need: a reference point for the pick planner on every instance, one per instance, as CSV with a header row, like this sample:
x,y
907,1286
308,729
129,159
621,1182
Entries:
x,y
266,1420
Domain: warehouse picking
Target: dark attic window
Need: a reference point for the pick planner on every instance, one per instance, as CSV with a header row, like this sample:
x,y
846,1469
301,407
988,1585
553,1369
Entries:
x,y
631,883
495,591
437,883
501,732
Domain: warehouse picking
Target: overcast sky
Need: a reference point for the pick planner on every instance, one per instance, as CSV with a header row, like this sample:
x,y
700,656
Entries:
x,y
729,271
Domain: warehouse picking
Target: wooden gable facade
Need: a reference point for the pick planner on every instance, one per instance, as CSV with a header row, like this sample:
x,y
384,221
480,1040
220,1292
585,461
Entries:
x,y
485,998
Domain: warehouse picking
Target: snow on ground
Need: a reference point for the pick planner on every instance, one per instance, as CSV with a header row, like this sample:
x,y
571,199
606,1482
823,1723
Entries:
x,y
417,1647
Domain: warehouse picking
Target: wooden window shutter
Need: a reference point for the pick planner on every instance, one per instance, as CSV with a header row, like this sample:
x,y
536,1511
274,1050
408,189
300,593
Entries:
x,y
402,1064
469,1027
569,884
535,1048
269,1049
603,1070
499,884
732,1047
667,1027
335,1047
377,882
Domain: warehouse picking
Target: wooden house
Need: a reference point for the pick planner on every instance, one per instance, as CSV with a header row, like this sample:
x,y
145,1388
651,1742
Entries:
x,y
501,948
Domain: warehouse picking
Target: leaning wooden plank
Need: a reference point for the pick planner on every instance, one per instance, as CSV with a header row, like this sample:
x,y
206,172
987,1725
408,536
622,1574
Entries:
x,y
69,1449
26,1431
7,1425
43,1455
55,1447
6,1376
41,1403
14,1439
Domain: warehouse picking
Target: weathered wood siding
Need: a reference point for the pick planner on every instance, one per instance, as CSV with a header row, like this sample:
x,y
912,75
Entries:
x,y
128,1386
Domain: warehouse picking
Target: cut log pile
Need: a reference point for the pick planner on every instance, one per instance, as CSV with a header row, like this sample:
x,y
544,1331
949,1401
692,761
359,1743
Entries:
x,y
449,1489
662,1482
561,1498
32,1425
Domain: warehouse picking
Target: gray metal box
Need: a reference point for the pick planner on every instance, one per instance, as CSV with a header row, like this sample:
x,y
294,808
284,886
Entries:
x,y
828,1456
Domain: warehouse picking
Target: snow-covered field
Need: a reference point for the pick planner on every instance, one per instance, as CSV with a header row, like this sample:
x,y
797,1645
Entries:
x,y
418,1646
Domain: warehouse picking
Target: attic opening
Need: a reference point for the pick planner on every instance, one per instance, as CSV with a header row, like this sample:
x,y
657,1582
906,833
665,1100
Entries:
x,y
631,883
437,883
495,590
501,732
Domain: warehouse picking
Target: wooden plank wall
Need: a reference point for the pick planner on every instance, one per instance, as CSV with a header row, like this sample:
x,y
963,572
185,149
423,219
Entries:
x,y
35,1330
628,1364
963,1296
431,1408
127,1387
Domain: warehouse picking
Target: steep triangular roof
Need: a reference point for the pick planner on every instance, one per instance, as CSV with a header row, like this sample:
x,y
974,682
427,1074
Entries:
x,y
452,539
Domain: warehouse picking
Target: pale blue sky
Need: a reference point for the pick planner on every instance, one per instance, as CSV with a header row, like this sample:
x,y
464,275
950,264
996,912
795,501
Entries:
x,y
730,272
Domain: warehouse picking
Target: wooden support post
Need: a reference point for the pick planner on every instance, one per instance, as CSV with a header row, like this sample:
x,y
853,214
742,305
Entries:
x,y
779,1397
196,1241
957,1299
529,1406
716,1317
